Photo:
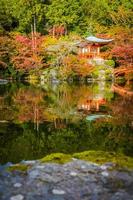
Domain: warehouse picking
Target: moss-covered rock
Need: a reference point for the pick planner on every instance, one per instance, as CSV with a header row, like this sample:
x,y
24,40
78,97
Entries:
x,y
57,158
18,167
99,157
102,157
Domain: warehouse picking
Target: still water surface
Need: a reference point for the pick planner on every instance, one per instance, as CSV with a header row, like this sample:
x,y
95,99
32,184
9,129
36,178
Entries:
x,y
43,119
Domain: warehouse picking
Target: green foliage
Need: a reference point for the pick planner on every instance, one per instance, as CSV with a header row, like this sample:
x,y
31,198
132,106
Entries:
x,y
29,10
110,63
7,20
84,16
65,12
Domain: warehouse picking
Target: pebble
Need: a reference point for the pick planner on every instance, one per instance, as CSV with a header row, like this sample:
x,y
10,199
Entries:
x,y
17,197
83,166
73,173
74,159
105,173
17,185
33,174
29,162
103,167
40,167
59,192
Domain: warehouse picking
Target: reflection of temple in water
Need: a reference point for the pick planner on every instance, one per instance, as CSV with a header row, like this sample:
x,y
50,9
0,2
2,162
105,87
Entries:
x,y
95,100
91,104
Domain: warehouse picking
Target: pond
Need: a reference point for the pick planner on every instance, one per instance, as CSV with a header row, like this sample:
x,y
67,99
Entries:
x,y
36,120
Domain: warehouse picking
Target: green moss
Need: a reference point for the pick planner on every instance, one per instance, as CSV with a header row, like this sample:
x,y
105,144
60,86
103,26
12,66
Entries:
x,y
102,157
57,158
18,167
99,157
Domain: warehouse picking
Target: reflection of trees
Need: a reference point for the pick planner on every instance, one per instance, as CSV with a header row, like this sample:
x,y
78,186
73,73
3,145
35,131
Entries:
x,y
9,133
122,124
59,104
66,100
95,96
6,110
122,110
30,105
27,143
62,105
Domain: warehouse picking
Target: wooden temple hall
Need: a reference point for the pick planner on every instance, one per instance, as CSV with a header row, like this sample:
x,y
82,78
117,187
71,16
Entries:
x,y
90,47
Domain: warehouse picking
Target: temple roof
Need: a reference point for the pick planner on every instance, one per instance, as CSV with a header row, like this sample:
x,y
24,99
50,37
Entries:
x,y
98,40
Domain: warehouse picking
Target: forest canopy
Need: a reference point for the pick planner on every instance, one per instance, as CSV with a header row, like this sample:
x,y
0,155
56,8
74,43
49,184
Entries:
x,y
80,16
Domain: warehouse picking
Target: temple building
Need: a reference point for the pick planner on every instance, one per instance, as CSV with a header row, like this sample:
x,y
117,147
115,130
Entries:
x,y
90,47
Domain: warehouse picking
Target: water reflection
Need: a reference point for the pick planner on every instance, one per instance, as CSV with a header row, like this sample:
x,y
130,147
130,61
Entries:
x,y
38,120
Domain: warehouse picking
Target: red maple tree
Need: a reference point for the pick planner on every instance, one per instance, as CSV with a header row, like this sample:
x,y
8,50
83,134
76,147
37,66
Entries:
x,y
123,54
29,53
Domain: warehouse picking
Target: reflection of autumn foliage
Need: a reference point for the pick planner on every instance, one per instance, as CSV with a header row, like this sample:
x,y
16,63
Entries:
x,y
63,104
122,123
29,104
6,112
122,108
28,56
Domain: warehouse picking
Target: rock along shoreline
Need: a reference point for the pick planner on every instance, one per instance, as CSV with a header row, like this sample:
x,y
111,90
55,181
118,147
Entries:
x,y
74,180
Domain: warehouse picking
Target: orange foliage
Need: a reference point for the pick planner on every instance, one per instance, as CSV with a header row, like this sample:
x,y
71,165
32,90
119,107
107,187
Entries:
x,y
77,65
57,31
29,104
28,57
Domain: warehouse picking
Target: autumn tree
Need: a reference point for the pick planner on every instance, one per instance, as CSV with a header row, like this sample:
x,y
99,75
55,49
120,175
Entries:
x,y
77,66
124,54
29,55
7,50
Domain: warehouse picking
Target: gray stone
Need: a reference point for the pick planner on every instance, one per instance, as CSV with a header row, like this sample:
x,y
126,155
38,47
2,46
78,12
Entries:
x,y
105,173
58,192
74,180
17,185
40,167
73,173
34,173
29,162
121,195
17,197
